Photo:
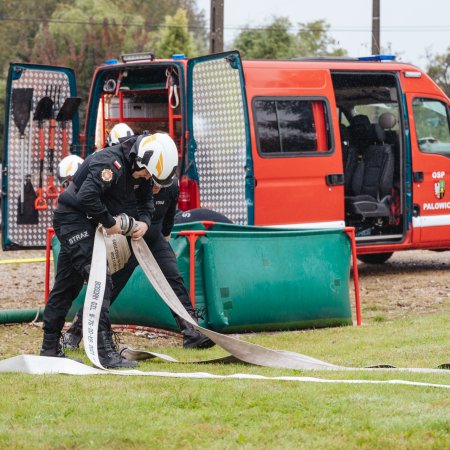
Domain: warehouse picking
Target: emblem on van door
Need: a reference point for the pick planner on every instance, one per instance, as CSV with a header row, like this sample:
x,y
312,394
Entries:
x,y
439,189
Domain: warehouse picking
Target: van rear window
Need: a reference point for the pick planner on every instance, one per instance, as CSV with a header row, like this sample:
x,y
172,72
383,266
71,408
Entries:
x,y
287,126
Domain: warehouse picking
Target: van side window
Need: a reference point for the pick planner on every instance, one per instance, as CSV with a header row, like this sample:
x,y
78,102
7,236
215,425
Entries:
x,y
432,122
288,126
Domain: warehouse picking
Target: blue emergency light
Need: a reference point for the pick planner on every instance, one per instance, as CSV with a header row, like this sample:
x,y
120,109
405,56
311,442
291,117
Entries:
x,y
377,58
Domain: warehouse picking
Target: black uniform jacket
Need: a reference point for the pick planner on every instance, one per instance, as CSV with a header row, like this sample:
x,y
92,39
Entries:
x,y
103,186
165,202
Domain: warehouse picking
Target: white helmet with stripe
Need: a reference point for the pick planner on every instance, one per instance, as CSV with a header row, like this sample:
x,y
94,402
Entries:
x,y
67,167
159,155
118,131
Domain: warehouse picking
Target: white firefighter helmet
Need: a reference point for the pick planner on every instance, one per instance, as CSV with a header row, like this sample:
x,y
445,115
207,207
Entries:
x,y
67,167
159,155
118,131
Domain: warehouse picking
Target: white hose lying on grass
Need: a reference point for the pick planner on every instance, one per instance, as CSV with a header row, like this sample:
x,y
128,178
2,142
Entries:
x,y
240,350
45,365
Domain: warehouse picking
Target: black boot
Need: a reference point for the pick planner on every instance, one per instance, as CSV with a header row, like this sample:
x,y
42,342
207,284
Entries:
x,y
192,338
74,334
51,345
108,355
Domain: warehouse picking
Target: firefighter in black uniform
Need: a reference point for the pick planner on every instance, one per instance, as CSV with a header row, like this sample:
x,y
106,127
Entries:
x,y
157,237
99,192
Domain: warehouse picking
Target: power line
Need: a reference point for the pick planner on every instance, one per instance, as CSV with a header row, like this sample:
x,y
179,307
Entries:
x,y
112,22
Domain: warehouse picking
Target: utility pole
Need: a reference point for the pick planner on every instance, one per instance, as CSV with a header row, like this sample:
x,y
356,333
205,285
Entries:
x,y
216,27
376,27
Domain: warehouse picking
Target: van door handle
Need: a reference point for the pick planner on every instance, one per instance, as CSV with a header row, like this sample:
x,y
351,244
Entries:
x,y
418,177
334,179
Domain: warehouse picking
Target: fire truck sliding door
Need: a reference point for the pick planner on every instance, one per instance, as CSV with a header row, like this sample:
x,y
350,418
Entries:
x,y
297,166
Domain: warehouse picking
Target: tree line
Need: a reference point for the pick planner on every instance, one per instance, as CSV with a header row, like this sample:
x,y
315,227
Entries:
x,y
82,34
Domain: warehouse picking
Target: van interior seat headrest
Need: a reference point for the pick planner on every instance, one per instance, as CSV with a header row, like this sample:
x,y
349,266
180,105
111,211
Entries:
x,y
387,121
361,132
360,121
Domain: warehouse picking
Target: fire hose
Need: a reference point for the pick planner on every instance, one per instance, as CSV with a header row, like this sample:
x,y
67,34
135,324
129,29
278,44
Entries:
x,y
239,350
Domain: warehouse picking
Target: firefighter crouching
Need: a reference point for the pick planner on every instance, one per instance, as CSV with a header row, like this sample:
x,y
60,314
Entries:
x,y
98,194
165,200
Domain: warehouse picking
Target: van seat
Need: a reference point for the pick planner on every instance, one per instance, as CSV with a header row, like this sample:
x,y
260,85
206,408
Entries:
x,y
361,132
372,183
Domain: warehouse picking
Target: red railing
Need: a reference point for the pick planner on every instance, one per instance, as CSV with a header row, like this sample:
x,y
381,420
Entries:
x,y
192,236
351,233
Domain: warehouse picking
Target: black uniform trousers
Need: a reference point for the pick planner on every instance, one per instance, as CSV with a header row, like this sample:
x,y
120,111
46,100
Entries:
x,y
76,235
167,261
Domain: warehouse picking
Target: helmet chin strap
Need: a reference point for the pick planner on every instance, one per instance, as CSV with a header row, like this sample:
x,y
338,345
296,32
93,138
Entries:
x,y
135,167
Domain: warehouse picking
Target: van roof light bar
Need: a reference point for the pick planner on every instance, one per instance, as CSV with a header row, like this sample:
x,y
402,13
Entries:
x,y
131,57
377,58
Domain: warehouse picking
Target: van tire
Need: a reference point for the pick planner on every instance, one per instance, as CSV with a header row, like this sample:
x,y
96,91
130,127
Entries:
x,y
375,258
200,214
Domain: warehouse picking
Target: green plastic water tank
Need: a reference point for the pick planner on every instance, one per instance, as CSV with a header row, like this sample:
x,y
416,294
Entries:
x,y
249,279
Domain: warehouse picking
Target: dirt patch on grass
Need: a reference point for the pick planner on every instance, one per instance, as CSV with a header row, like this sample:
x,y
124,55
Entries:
x,y
22,283
409,284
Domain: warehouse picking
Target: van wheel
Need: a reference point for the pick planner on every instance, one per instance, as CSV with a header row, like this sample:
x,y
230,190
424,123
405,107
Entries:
x,y
375,258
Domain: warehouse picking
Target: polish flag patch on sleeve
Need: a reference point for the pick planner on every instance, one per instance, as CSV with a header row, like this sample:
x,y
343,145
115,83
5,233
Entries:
x,y
118,166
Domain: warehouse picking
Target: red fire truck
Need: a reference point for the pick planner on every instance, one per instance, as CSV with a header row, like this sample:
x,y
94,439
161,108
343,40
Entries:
x,y
307,143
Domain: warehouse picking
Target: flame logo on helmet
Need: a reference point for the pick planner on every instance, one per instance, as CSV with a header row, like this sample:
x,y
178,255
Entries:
x,y
147,140
69,168
160,165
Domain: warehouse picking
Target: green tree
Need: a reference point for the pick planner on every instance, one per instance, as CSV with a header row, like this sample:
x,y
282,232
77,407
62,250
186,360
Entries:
x,y
17,32
313,40
271,42
276,41
82,34
155,12
18,27
175,36
439,70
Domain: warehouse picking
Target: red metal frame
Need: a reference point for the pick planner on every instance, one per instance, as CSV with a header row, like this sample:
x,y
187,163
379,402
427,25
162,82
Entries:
x,y
193,235
351,234
171,117
321,129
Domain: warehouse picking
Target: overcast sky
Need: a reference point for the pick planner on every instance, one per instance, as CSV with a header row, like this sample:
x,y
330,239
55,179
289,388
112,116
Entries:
x,y
410,27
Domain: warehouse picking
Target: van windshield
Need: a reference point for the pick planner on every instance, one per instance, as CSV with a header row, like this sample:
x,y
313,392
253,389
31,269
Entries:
x,y
432,123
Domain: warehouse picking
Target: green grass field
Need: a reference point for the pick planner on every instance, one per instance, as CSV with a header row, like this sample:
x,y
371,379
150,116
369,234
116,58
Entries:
x,y
117,412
